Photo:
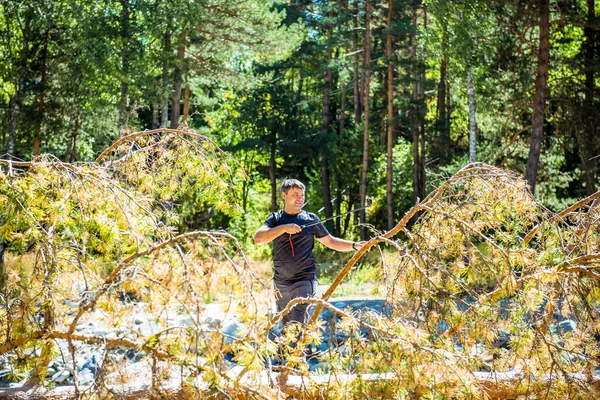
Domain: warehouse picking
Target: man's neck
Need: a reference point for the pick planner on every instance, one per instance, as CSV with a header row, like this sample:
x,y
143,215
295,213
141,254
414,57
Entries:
x,y
293,211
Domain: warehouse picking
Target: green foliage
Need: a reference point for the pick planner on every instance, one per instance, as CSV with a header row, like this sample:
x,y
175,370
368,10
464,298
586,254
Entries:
x,y
402,171
91,62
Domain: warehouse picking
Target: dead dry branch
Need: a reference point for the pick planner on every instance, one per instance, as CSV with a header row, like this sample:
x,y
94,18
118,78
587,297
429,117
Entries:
x,y
487,294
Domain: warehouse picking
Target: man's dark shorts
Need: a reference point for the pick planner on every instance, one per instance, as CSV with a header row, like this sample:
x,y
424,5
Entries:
x,y
285,293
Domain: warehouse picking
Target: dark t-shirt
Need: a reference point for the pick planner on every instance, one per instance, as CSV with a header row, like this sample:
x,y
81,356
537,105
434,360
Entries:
x,y
300,265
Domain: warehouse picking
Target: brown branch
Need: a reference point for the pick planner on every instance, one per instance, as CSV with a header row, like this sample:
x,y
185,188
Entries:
x,y
88,304
432,198
323,303
340,277
135,135
560,215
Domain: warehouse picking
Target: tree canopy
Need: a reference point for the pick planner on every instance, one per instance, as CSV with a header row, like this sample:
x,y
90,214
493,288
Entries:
x,y
294,87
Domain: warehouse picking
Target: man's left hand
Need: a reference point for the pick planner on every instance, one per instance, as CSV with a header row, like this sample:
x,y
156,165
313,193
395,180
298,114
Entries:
x,y
358,245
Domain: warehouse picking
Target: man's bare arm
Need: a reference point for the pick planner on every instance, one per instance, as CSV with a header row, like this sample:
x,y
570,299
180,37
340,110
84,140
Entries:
x,y
338,244
264,234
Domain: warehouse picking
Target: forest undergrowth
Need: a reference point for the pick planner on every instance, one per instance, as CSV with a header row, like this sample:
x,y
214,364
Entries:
x,y
487,294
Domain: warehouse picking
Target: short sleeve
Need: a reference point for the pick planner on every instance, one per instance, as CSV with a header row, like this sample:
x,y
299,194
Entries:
x,y
271,221
320,230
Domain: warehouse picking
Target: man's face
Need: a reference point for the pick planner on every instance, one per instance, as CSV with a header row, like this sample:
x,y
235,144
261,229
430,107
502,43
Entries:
x,y
293,199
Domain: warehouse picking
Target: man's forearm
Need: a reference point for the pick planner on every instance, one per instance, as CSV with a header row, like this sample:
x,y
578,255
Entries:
x,y
340,244
267,235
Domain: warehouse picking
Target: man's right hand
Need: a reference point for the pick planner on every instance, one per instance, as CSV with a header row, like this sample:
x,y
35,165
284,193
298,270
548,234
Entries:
x,y
264,234
291,228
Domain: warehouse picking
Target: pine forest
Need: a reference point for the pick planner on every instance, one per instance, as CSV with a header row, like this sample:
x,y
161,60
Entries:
x,y
451,149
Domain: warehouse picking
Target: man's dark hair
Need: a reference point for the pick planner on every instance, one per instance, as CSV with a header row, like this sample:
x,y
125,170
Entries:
x,y
291,183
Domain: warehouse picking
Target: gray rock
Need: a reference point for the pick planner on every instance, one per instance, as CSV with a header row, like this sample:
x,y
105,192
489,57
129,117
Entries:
x,y
187,320
61,376
149,328
566,326
230,331
91,364
214,323
101,331
85,377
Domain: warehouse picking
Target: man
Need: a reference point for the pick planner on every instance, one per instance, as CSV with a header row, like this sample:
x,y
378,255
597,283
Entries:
x,y
293,246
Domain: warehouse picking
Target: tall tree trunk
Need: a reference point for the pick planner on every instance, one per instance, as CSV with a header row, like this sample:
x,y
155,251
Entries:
x,y
125,21
348,216
71,133
164,115
342,119
343,110
178,81
442,120
590,45
300,86
367,89
422,111
390,125
18,99
155,123
273,170
541,86
338,173
357,86
186,102
422,175
472,113
325,185
37,139
418,150
344,87
3,271
587,137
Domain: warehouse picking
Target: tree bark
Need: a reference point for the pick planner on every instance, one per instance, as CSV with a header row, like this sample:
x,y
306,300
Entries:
x,y
357,94
442,119
344,86
418,148
390,125
37,140
590,45
178,82
3,271
18,99
273,170
422,111
587,137
164,115
186,102
155,123
367,89
343,110
325,185
539,105
72,134
472,113
125,21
